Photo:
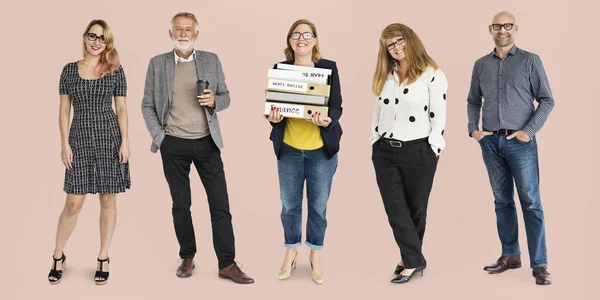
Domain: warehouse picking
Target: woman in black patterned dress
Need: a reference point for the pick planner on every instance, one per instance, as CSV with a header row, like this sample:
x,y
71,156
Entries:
x,y
95,150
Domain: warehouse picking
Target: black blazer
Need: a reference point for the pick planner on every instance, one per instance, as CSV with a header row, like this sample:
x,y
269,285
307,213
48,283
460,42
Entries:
x,y
331,134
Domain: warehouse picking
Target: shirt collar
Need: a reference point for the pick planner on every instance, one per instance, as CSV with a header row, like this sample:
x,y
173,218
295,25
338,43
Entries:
x,y
512,51
395,73
179,59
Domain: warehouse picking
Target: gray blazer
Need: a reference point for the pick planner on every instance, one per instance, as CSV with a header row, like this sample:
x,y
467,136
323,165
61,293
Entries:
x,y
158,91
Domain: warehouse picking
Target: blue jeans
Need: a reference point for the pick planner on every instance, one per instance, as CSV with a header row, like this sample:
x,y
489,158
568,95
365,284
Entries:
x,y
296,166
508,160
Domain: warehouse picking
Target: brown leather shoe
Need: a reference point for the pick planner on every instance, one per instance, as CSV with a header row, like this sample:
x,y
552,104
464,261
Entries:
x,y
186,267
234,273
504,263
542,276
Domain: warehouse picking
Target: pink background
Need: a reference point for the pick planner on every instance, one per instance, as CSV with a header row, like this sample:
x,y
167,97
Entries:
x,y
40,37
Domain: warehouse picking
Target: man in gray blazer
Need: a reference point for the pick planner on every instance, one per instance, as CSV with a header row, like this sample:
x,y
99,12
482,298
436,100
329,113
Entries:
x,y
185,128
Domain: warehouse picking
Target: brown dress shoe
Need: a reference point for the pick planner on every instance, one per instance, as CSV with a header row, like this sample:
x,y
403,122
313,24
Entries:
x,y
504,263
234,273
186,267
542,276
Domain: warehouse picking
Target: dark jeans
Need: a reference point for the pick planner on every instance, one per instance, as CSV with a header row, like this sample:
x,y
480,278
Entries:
x,y
509,161
405,177
177,156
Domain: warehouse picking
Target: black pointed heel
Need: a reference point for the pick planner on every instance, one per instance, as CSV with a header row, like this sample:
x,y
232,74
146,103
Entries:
x,y
101,277
55,275
404,279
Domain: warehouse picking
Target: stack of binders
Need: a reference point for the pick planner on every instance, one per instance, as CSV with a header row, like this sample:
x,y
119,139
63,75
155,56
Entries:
x,y
297,91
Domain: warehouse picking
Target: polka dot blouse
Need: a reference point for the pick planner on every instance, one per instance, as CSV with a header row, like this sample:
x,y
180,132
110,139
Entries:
x,y
414,111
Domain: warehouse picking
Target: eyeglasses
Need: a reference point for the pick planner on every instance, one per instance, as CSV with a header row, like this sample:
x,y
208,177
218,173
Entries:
x,y
92,37
507,26
305,35
398,42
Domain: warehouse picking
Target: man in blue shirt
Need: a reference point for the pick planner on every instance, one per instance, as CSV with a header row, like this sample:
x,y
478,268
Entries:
x,y
504,85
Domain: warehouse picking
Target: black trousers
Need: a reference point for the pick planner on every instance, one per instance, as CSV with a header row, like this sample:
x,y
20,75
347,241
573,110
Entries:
x,y
177,156
405,176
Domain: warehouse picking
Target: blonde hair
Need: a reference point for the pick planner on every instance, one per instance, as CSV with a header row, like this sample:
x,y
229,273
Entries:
x,y
109,59
414,51
289,52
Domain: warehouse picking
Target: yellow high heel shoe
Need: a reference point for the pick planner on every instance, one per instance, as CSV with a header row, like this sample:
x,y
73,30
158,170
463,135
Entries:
x,y
282,275
318,279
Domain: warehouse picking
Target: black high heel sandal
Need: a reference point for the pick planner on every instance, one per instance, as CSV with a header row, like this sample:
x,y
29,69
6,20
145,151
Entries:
x,y
101,277
55,275
404,279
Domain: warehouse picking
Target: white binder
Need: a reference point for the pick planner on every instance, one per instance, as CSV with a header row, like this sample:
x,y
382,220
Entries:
x,y
297,76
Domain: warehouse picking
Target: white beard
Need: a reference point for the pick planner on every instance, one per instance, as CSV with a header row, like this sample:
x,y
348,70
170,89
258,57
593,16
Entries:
x,y
183,45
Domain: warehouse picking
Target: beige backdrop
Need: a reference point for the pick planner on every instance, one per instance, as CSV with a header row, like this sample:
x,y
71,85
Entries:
x,y
40,37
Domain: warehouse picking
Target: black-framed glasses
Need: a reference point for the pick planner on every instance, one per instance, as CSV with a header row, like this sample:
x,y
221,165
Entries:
x,y
305,35
507,26
92,37
398,42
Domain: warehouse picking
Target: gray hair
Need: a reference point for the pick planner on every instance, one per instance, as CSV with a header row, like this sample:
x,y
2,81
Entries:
x,y
185,15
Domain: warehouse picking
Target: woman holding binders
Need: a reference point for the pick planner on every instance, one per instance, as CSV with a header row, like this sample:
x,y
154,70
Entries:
x,y
95,147
306,151
407,129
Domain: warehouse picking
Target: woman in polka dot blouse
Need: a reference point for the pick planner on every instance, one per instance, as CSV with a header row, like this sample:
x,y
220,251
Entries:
x,y
407,138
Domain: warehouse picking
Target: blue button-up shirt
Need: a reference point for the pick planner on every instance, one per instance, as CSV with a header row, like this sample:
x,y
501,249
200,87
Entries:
x,y
504,89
